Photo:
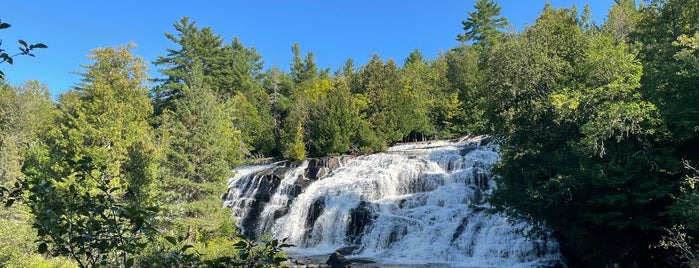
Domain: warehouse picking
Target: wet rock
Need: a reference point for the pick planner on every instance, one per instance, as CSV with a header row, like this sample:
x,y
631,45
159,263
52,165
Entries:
x,y
468,148
360,218
459,230
337,260
314,211
266,185
347,250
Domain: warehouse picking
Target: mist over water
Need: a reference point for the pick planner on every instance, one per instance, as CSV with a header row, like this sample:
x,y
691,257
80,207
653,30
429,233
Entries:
x,y
416,203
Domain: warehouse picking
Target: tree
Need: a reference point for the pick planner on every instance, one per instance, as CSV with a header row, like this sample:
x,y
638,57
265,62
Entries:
x,y
26,111
195,45
622,20
667,33
576,134
418,84
89,186
463,111
202,145
389,106
665,30
24,49
483,25
303,69
278,86
242,88
231,71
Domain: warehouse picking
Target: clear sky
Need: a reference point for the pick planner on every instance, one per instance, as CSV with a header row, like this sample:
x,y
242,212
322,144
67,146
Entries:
x,y
332,30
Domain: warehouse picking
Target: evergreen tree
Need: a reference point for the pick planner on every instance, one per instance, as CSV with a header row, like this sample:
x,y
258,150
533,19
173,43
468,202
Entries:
x,y
90,185
195,44
278,86
467,95
622,20
302,69
420,90
483,25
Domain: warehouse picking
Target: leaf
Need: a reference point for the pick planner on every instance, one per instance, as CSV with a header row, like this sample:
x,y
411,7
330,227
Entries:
x,y
185,248
279,260
9,202
43,248
241,244
22,42
4,25
171,239
129,262
153,209
40,45
244,254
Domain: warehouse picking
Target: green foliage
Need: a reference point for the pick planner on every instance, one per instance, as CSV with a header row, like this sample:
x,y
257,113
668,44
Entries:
x,y
575,139
467,111
89,184
231,71
394,111
196,46
331,135
18,247
236,252
622,20
666,31
483,25
296,147
594,124
303,69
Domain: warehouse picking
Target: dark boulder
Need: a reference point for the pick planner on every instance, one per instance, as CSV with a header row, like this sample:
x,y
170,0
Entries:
x,y
336,260
347,250
360,217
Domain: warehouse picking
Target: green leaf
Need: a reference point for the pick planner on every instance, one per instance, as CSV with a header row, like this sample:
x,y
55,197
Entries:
x,y
43,248
9,202
22,42
129,262
171,239
38,45
185,248
241,244
4,25
153,209
244,254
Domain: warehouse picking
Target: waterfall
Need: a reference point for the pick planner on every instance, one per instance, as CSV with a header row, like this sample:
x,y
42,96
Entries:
x,y
416,203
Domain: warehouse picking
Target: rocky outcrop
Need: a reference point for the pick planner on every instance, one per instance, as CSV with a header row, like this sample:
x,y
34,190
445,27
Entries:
x,y
336,260
360,217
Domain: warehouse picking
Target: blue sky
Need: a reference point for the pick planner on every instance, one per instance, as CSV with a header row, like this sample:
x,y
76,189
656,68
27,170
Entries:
x,y
332,30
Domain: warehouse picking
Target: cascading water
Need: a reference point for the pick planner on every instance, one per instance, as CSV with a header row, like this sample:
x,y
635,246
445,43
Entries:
x,y
415,203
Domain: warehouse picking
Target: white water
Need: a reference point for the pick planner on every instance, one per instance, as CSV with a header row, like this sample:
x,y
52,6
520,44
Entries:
x,y
416,203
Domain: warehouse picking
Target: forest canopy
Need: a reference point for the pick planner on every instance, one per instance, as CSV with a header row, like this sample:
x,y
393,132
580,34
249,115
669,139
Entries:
x,y
597,124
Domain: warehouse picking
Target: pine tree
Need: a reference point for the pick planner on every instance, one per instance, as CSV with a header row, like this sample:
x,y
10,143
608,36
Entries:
x,y
483,25
195,44
97,167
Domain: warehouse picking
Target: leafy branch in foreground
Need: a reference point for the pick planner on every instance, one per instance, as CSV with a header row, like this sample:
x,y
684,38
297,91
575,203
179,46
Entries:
x,y
24,49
